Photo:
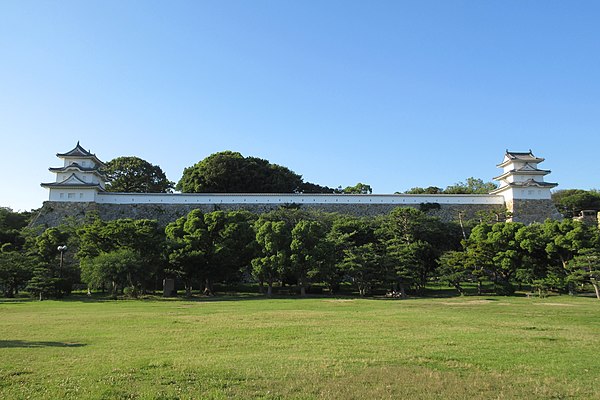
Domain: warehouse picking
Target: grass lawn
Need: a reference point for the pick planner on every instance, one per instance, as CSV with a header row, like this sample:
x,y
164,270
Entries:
x,y
250,347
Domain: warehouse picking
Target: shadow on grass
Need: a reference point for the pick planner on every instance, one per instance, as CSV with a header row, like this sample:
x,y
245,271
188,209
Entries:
x,y
35,344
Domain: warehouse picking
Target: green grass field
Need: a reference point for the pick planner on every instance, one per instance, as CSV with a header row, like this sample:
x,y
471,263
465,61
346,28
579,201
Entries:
x,y
249,347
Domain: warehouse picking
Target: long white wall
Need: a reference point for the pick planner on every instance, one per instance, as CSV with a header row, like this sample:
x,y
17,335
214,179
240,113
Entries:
x,y
73,194
167,198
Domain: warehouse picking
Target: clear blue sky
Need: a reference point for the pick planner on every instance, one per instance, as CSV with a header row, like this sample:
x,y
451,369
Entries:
x,y
395,94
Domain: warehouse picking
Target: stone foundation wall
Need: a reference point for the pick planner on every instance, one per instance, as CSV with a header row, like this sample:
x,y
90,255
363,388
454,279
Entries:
x,y
54,213
530,211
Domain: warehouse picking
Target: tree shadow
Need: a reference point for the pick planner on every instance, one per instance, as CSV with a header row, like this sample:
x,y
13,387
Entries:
x,y
36,344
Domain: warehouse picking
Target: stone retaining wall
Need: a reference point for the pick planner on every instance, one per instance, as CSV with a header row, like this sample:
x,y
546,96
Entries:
x,y
530,211
53,213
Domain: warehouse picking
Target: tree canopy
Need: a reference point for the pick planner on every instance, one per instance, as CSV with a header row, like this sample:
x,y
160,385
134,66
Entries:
x,y
11,224
571,202
359,188
470,186
231,172
135,175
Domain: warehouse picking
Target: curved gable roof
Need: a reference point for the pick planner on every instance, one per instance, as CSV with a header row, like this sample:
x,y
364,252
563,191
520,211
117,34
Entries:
x,y
80,152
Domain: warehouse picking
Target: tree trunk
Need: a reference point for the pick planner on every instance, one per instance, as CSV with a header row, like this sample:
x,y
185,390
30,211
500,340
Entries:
x,y
113,290
596,288
188,289
208,290
459,288
302,284
269,288
479,289
402,291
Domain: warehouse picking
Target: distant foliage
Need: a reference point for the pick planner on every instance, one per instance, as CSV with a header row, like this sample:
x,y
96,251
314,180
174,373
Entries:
x,y
571,202
427,190
134,175
470,186
11,225
359,188
230,172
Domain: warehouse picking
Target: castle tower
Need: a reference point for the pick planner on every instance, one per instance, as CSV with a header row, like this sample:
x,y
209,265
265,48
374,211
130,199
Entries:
x,y
80,177
522,185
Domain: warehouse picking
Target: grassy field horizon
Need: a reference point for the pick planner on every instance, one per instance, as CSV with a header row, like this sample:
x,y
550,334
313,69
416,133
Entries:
x,y
487,347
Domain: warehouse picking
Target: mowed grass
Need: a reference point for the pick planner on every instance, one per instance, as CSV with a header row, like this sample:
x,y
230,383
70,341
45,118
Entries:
x,y
249,347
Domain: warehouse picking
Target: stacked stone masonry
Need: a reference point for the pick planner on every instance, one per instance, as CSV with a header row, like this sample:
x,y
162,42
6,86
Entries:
x,y
54,213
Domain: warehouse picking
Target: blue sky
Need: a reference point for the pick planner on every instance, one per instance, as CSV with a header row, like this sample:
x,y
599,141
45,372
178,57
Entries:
x,y
395,94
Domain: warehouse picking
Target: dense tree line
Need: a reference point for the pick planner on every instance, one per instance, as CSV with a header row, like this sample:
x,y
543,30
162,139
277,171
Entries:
x,y
402,252
470,186
571,202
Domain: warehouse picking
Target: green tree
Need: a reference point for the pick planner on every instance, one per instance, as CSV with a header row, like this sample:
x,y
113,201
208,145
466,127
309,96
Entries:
x,y
135,175
584,268
414,241
15,270
471,186
347,233
364,265
143,236
307,187
308,251
427,190
230,247
117,268
273,238
187,240
534,239
11,225
494,250
210,246
571,202
55,273
565,239
43,283
359,188
236,245
230,172
454,268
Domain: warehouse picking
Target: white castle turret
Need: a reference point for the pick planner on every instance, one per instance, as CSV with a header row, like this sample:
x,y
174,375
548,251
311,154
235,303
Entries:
x,y
522,182
79,179
522,179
